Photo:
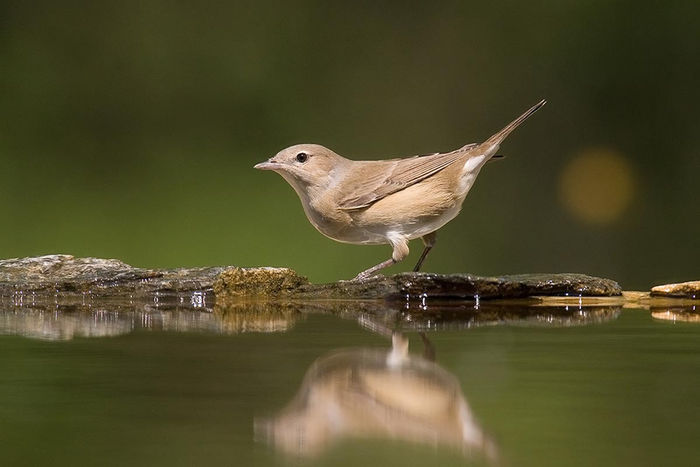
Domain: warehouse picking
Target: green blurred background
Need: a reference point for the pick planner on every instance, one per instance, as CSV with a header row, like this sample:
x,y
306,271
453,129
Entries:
x,y
130,129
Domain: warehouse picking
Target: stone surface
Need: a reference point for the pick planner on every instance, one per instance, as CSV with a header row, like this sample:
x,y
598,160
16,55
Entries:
x,y
59,297
684,290
428,286
65,275
234,283
513,286
659,302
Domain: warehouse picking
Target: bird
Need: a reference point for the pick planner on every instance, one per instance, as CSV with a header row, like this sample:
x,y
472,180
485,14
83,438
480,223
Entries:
x,y
389,201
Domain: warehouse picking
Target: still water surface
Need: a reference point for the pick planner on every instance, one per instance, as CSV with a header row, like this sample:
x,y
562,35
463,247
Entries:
x,y
305,387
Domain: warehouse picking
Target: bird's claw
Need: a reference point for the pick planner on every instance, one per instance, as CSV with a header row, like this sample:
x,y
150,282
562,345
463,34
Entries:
x,y
363,276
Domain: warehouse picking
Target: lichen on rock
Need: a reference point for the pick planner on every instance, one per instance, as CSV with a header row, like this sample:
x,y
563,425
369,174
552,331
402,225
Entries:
x,y
237,282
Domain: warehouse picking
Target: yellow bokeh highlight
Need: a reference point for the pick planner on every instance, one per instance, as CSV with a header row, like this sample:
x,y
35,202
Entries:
x,y
597,185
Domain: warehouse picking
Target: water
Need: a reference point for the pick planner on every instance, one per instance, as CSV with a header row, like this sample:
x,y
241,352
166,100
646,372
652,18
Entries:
x,y
302,385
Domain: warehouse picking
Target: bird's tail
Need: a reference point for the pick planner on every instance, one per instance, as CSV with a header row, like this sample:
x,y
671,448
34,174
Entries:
x,y
496,139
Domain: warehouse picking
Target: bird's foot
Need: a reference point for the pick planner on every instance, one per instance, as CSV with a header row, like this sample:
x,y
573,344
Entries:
x,y
363,276
371,272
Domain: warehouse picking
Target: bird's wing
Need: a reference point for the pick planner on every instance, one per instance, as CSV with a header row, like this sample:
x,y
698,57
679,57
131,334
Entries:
x,y
395,175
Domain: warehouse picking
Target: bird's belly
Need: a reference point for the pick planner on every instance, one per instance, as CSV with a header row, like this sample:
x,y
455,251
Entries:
x,y
409,220
359,235
345,230
380,233
431,224
410,213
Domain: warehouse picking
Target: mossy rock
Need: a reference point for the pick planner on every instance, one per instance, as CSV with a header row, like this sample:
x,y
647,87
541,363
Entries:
x,y
237,282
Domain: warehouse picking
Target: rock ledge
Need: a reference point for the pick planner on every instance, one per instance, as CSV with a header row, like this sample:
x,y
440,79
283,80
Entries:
x,y
66,275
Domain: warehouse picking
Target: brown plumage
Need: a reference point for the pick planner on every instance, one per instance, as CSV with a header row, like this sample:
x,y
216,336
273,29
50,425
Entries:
x,y
388,201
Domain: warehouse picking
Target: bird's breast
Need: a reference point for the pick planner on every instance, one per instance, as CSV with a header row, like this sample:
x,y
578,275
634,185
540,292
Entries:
x,y
340,225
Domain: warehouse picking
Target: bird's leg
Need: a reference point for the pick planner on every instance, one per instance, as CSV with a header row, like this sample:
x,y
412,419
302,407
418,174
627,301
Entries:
x,y
428,347
367,273
429,242
400,245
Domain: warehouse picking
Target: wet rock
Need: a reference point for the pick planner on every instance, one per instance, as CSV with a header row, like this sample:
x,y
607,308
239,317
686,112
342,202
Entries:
x,y
65,271
258,282
513,286
66,275
428,286
378,287
682,290
658,303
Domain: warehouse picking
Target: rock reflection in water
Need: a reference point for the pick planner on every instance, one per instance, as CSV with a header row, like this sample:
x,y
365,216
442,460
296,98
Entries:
x,y
63,325
495,314
370,393
687,314
65,322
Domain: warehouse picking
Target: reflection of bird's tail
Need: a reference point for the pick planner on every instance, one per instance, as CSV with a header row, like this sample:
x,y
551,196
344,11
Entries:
x,y
496,139
473,436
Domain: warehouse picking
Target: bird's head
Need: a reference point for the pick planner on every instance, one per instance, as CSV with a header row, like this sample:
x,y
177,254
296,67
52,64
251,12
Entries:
x,y
305,165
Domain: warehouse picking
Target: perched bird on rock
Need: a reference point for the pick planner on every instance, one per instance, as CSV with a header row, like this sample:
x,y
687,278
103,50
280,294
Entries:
x,y
386,201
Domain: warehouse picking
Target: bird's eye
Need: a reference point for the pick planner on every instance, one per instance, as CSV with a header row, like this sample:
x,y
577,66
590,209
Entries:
x,y
302,157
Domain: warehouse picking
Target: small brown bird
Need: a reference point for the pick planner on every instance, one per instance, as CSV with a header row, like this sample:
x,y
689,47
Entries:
x,y
386,201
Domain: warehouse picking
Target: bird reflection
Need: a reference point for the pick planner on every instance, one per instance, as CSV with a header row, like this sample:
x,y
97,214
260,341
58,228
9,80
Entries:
x,y
372,393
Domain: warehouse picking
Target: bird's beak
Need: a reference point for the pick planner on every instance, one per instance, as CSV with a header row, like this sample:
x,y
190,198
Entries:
x,y
268,165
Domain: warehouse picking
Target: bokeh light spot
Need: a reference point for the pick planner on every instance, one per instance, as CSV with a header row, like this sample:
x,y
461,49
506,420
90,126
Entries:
x,y
597,185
